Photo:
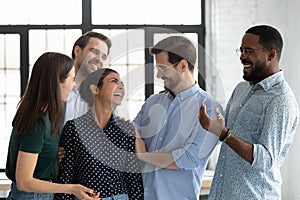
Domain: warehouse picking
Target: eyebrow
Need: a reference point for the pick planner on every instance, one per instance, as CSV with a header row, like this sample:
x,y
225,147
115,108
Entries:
x,y
98,51
114,79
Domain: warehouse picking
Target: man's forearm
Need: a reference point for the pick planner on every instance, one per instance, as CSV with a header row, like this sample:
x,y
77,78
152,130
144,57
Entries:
x,y
163,160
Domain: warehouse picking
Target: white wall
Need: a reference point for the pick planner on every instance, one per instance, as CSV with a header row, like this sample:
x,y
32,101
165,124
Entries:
x,y
226,21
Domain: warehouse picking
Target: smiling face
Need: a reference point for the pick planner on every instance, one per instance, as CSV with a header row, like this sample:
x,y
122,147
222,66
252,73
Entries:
x,y
112,91
167,72
91,57
254,59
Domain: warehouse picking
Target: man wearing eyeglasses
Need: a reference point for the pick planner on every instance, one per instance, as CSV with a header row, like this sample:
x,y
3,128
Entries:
x,y
173,145
259,125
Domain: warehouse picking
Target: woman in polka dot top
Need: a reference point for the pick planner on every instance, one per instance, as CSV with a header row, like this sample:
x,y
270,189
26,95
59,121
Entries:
x,y
99,147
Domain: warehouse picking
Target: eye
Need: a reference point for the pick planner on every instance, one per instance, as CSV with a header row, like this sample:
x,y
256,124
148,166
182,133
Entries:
x,y
248,50
160,67
94,51
104,57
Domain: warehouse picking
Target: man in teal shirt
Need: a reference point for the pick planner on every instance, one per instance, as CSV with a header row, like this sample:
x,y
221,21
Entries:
x,y
261,119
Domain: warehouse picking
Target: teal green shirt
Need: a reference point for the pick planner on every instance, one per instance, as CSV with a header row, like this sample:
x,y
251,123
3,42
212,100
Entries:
x,y
38,142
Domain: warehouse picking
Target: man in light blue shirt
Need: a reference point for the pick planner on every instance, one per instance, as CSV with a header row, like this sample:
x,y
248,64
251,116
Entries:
x,y
174,147
89,52
261,119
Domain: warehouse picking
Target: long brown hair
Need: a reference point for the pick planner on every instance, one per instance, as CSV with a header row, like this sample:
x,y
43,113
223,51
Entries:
x,y
42,94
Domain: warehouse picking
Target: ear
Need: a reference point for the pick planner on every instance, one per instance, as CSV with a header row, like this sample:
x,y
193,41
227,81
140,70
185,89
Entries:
x,y
94,89
272,54
77,50
183,66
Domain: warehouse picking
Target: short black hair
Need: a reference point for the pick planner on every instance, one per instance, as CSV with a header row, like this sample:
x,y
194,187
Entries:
x,y
269,37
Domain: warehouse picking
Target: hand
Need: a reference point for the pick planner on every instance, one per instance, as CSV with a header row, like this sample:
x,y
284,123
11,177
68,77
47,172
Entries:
x,y
123,119
214,126
140,146
61,153
84,193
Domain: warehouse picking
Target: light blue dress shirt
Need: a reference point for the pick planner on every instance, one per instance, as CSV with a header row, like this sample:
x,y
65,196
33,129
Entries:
x,y
266,115
170,124
75,105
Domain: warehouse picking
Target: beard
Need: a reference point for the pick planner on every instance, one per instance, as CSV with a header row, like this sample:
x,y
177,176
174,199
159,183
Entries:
x,y
173,83
257,72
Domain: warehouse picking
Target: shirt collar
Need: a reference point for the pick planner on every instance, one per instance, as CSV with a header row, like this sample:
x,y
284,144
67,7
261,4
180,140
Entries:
x,y
270,81
75,90
188,92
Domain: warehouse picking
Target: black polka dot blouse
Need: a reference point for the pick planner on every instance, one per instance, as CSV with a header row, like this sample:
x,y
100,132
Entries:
x,y
100,159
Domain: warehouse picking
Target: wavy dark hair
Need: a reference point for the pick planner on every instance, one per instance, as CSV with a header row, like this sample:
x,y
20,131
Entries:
x,y
94,78
42,94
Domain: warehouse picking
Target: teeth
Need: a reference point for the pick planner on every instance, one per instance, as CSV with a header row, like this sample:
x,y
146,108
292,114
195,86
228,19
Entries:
x,y
95,64
118,94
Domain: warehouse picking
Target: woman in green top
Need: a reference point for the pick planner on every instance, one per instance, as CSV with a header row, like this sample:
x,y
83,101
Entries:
x,y
33,145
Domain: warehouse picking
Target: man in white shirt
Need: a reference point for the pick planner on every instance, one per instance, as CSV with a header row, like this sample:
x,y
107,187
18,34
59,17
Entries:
x,y
89,52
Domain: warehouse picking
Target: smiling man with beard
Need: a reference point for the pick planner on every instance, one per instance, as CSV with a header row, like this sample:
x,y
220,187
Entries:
x,y
89,52
259,125
173,146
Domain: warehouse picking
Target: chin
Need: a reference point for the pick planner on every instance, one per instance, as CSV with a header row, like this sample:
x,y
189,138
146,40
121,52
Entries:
x,y
115,104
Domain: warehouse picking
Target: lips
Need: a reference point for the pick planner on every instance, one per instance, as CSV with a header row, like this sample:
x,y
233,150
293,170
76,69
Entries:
x,y
118,94
95,63
246,64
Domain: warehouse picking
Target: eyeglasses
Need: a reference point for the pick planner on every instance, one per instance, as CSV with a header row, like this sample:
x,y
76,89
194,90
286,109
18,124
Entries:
x,y
245,51
162,68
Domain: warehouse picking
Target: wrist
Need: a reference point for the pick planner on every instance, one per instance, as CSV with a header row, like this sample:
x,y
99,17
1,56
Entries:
x,y
71,188
226,136
223,134
141,156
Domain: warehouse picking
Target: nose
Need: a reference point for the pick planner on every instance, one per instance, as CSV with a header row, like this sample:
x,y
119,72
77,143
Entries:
x,y
121,85
102,57
242,56
159,74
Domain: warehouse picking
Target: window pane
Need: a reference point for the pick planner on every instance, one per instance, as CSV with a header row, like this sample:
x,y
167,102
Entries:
x,y
9,87
41,12
41,41
154,12
10,51
127,56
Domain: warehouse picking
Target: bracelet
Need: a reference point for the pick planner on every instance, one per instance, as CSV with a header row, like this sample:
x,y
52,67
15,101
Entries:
x,y
228,136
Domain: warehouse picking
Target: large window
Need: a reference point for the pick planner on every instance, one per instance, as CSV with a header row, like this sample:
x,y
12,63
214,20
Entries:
x,y
154,12
30,28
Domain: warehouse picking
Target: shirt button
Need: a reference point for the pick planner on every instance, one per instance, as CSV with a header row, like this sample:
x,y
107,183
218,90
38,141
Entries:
x,y
160,138
223,156
221,175
241,105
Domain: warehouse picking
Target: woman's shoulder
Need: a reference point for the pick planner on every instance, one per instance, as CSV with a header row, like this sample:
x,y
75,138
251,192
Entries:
x,y
126,127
